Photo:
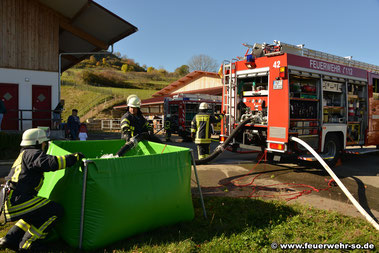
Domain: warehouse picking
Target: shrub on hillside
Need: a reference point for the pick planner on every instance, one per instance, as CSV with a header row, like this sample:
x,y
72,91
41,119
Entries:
x,y
106,78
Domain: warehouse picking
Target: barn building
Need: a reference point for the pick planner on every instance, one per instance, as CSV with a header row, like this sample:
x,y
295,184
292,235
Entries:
x,y
196,82
38,40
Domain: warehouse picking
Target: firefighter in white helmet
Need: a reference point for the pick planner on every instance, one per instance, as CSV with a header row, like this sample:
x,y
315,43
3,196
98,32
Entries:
x,y
201,129
35,215
134,123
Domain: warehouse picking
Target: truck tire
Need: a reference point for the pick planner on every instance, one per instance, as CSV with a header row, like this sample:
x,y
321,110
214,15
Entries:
x,y
332,148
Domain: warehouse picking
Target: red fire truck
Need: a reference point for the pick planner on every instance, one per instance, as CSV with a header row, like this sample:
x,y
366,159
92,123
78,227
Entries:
x,y
182,109
330,102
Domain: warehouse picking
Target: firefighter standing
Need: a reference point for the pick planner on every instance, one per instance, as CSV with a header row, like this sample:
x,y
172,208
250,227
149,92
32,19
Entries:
x,y
201,130
35,215
134,123
167,127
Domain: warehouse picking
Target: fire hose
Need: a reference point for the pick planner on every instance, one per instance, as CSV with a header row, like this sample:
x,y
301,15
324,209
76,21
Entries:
x,y
4,197
132,143
220,148
338,181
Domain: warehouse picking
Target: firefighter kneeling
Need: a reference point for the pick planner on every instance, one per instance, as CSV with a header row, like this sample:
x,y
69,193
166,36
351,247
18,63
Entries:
x,y
201,130
35,215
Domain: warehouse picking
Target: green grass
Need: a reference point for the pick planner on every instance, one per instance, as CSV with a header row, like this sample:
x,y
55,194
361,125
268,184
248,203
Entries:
x,y
245,225
85,97
81,99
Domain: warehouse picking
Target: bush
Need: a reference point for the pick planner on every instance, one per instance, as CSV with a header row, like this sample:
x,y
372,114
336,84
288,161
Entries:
x,y
106,78
9,145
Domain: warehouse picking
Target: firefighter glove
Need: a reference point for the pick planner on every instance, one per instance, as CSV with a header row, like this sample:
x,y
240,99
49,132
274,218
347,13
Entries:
x,y
79,156
127,137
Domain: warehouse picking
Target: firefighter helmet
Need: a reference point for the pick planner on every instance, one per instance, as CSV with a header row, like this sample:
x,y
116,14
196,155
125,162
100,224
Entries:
x,y
33,136
203,106
134,101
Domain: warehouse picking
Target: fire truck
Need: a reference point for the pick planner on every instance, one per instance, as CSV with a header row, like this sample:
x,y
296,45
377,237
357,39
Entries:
x,y
182,108
330,102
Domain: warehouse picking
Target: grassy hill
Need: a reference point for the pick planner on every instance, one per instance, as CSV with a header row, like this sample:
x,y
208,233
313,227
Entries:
x,y
86,88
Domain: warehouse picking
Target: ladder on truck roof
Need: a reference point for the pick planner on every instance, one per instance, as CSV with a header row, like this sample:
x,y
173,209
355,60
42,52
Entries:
x,y
229,95
301,50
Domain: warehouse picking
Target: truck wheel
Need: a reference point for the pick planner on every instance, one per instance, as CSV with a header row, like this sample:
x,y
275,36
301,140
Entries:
x,y
332,148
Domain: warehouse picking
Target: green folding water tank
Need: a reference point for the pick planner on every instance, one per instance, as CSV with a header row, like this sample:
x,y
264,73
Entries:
x,y
112,198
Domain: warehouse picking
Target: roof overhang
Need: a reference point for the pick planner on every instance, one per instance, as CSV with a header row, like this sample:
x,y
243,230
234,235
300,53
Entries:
x,y
85,27
168,90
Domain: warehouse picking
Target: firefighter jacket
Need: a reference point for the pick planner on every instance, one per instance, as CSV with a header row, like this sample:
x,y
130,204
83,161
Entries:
x,y
26,175
167,124
201,125
131,125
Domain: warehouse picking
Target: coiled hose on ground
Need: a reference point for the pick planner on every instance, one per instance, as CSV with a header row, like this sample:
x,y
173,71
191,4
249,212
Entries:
x,y
220,148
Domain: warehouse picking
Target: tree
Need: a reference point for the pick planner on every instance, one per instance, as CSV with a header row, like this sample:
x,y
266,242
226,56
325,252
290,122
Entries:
x,y
150,69
124,67
182,70
162,71
202,62
92,59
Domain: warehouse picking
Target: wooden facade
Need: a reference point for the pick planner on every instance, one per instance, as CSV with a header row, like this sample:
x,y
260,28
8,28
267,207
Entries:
x,y
29,36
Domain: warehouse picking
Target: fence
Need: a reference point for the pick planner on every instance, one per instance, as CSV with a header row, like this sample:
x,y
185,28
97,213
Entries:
x,y
110,124
115,124
33,119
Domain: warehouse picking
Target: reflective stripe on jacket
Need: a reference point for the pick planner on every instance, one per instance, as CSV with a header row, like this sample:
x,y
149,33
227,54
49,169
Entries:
x,y
167,124
201,125
132,125
27,171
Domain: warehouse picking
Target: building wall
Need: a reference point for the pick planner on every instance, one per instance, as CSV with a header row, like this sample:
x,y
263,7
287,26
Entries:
x,y
25,79
204,82
29,36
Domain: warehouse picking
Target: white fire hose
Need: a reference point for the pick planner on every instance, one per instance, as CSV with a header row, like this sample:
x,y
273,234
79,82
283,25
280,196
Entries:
x,y
339,183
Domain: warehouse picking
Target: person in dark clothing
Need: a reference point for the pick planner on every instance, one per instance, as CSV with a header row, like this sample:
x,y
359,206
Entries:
x,y
167,127
35,215
133,122
201,130
57,114
73,124
3,110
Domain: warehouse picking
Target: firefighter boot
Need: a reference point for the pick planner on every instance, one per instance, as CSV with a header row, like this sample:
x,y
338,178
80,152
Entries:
x,y
31,243
12,239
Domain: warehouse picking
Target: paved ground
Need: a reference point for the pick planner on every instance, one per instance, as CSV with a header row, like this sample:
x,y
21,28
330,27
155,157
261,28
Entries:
x,y
304,183
239,175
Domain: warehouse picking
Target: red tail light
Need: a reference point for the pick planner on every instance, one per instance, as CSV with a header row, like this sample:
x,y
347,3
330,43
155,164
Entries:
x,y
277,146
283,72
222,138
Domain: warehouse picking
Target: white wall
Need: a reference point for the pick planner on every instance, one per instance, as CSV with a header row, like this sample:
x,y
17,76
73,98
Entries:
x,y
25,79
204,82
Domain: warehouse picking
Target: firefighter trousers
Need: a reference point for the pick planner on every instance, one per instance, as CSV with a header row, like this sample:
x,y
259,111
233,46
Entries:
x,y
36,217
168,134
203,150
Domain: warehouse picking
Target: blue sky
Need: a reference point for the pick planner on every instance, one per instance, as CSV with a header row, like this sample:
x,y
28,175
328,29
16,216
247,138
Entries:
x,y
172,31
